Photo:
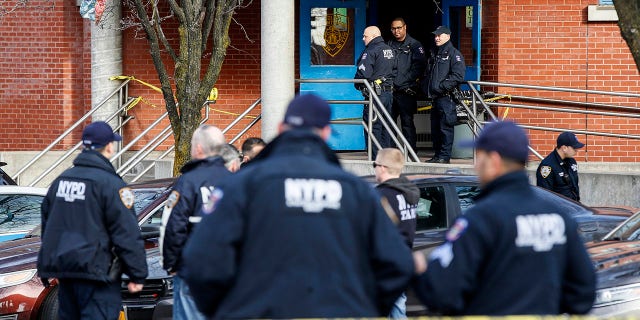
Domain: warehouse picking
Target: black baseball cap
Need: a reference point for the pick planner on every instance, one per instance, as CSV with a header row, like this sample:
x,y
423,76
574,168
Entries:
x,y
568,139
308,111
504,137
440,30
98,134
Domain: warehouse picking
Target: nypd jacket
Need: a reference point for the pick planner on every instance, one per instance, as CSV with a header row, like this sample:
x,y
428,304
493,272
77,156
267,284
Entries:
x,y
403,196
295,236
88,211
511,253
410,62
444,71
560,176
376,62
191,191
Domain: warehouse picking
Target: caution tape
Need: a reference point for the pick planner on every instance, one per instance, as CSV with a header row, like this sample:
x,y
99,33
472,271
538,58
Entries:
x,y
429,107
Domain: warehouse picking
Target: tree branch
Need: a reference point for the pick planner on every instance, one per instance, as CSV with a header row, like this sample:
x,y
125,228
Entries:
x,y
207,23
160,32
629,23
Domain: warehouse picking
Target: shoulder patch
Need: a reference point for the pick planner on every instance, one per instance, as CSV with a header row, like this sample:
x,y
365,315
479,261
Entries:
x,y
172,199
364,56
457,229
421,50
574,167
458,58
127,197
545,171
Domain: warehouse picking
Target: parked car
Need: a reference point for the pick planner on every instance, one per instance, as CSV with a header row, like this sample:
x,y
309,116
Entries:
x,y
617,262
19,210
22,295
444,197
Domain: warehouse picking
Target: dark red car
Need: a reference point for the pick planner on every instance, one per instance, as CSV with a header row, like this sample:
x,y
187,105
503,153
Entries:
x,y
22,295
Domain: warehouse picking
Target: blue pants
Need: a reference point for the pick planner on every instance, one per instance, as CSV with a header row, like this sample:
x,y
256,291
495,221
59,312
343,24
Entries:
x,y
399,309
85,299
405,106
184,308
443,119
378,129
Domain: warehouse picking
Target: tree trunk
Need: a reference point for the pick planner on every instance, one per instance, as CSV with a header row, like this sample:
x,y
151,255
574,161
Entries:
x,y
629,23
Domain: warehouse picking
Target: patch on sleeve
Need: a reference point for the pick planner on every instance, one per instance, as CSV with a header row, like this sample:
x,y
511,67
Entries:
x,y
172,199
574,167
458,58
545,171
457,229
421,50
364,56
443,253
362,67
210,206
127,197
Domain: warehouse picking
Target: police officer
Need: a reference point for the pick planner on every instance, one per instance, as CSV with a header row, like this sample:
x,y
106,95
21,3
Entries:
x,y
87,221
198,181
558,172
293,235
444,72
410,64
376,65
514,252
402,196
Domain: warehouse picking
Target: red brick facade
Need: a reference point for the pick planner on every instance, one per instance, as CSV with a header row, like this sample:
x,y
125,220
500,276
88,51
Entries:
x,y
45,71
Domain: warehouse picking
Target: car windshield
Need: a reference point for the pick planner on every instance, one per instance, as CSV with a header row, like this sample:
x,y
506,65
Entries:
x,y
628,230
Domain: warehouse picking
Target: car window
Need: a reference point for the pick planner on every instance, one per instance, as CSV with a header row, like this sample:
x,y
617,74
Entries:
x,y
432,209
144,197
466,194
19,212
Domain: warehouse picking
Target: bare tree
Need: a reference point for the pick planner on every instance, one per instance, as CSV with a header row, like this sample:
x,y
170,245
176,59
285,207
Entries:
x,y
203,28
629,23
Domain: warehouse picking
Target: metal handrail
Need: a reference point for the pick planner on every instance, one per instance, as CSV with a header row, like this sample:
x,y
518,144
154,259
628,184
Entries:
x,y
631,112
376,113
77,146
78,123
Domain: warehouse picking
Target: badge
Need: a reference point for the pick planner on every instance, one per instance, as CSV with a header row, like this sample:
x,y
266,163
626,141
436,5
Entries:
x,y
127,197
457,229
172,199
545,171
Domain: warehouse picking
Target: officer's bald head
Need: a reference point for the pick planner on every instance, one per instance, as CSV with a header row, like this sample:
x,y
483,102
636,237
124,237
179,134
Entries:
x,y
370,33
205,141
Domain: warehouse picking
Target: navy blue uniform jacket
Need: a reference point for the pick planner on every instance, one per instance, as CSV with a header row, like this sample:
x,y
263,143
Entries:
x,y
295,236
410,62
511,253
192,189
403,196
444,71
88,211
560,176
376,62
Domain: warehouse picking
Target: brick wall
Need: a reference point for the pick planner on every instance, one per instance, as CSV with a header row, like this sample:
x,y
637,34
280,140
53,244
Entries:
x,y
42,69
551,43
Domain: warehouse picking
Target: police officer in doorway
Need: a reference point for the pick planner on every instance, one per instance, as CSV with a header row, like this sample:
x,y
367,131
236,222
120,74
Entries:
x,y
558,172
376,65
410,64
402,197
293,235
90,233
444,72
514,252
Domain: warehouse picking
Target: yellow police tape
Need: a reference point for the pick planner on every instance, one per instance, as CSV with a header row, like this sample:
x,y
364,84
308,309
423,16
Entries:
x,y
504,96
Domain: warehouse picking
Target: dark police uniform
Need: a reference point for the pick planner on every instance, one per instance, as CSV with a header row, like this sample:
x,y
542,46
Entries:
x,y
444,72
294,236
88,211
198,180
376,63
410,64
512,253
403,196
560,176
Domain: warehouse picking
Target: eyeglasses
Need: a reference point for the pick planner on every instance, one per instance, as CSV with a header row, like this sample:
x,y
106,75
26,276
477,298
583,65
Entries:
x,y
396,28
378,165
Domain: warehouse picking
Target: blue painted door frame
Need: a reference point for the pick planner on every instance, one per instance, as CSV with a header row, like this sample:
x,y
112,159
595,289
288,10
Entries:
x,y
473,66
347,136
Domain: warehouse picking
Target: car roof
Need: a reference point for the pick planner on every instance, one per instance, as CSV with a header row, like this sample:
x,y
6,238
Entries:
x,y
8,189
433,178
